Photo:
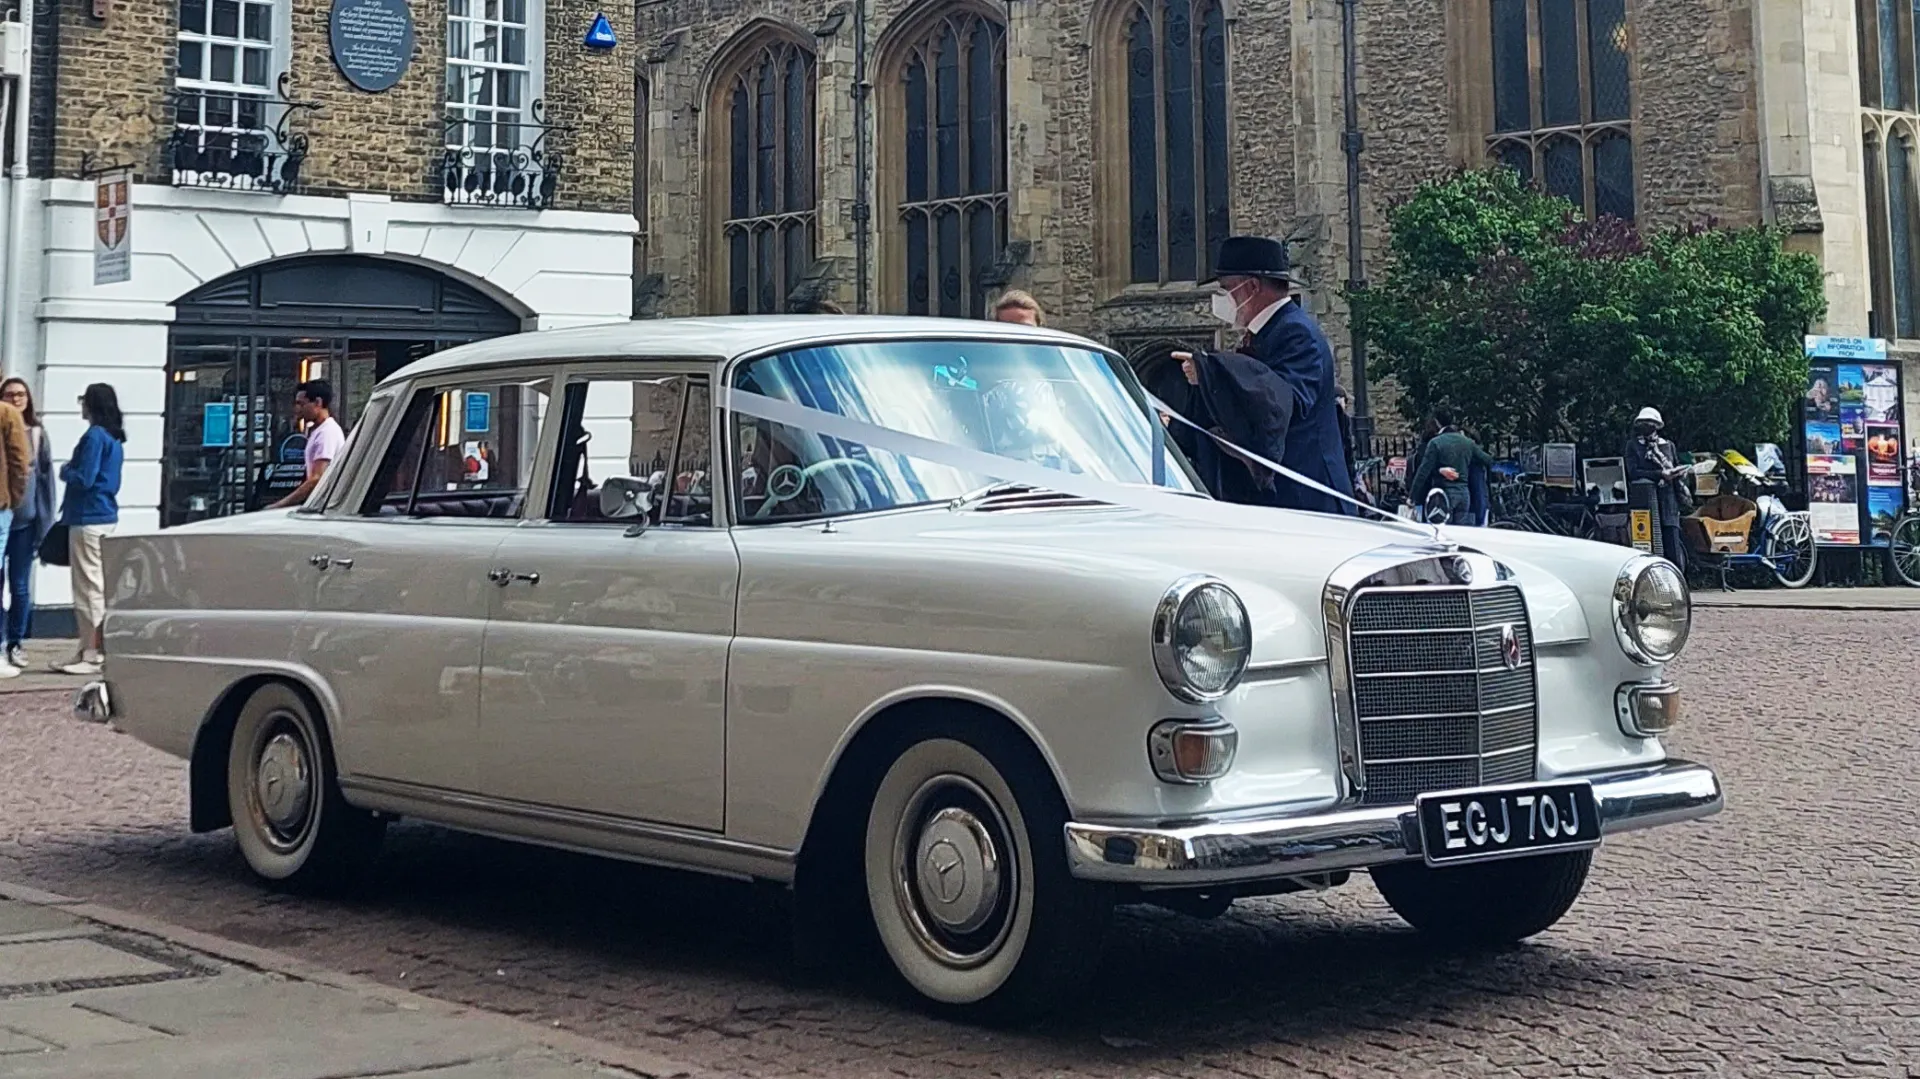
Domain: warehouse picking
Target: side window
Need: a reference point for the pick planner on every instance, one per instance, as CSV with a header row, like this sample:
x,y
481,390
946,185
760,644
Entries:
x,y
633,449
332,490
462,452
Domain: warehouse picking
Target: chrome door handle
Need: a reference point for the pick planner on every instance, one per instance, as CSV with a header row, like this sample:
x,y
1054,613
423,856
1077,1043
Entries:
x,y
320,561
343,563
501,577
530,578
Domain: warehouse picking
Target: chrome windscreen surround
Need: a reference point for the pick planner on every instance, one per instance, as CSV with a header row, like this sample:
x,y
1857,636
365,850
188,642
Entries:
x,y
1411,625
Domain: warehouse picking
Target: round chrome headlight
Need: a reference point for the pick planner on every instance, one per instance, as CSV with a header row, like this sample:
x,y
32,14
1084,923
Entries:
x,y
1652,611
1201,639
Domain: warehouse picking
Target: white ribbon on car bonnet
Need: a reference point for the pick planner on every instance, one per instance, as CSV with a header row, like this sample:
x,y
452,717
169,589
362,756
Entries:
x,y
1006,469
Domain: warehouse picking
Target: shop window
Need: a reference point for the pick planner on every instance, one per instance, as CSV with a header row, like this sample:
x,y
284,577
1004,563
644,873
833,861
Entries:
x,y
946,157
763,138
497,149
229,119
1563,99
635,450
1169,59
462,452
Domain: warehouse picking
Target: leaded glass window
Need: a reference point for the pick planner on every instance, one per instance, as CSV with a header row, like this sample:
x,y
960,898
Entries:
x,y
1563,99
953,205
767,229
1890,131
1176,138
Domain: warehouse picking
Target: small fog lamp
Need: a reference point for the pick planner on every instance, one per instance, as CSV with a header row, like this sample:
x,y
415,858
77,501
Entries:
x,y
1185,751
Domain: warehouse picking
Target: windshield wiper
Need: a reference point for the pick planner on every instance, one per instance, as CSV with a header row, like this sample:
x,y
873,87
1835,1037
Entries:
x,y
991,490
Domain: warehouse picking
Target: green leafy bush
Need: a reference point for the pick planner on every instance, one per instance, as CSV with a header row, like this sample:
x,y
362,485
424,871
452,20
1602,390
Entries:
x,y
1536,324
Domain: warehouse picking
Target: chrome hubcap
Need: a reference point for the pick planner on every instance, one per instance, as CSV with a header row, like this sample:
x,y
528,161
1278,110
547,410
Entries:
x,y
283,784
958,878
954,872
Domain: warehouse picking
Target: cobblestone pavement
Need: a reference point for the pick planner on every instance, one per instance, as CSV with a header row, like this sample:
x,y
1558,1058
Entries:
x,y
1779,938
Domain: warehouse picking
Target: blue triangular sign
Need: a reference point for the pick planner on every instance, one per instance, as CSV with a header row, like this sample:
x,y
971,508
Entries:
x,y
600,35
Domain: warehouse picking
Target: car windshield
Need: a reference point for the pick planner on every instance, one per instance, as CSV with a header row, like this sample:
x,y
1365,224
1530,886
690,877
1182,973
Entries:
x,y
1069,409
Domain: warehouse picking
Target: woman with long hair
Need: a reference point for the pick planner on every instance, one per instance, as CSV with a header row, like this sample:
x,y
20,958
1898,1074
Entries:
x,y
90,510
32,520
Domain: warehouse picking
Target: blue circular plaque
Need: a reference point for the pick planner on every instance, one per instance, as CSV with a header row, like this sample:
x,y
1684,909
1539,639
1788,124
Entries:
x,y
372,41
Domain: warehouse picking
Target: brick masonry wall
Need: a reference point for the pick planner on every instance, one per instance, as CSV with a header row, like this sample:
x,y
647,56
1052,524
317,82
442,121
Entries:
x,y
387,142
113,79
1695,116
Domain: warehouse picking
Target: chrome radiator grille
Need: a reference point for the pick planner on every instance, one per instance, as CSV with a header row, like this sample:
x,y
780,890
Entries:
x,y
1441,698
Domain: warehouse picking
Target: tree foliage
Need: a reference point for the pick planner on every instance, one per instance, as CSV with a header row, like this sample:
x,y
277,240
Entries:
x,y
1536,324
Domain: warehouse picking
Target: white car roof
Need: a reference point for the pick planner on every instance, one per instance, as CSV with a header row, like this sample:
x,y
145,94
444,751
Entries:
x,y
718,338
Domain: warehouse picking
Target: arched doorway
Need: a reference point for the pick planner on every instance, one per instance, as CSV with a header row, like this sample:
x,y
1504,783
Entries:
x,y
239,346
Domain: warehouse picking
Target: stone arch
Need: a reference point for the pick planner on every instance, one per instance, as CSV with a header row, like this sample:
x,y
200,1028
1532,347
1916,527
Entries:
x,y
899,45
359,291
759,241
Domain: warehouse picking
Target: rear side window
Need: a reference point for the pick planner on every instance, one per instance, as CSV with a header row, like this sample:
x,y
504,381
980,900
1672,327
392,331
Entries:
x,y
462,452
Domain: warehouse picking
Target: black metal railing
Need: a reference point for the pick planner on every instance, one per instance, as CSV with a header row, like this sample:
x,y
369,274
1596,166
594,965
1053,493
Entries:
x,y
524,174
236,141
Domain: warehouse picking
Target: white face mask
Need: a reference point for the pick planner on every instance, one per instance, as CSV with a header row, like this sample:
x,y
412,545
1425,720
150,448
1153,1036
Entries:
x,y
1225,309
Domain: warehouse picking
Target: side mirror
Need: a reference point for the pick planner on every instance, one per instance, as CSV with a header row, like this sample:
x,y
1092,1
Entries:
x,y
625,498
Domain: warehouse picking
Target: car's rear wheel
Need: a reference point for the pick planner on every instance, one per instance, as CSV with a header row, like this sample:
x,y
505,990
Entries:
x,y
1486,904
292,825
967,879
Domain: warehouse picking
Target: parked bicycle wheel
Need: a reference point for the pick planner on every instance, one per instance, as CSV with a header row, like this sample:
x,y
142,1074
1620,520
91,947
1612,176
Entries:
x,y
1791,550
1903,555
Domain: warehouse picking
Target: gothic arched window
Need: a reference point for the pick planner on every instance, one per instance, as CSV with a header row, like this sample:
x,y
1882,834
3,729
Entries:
x,y
764,138
1563,99
1176,138
1890,129
949,113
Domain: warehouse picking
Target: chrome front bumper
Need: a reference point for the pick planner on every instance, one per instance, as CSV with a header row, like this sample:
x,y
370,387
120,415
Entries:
x,y
1238,850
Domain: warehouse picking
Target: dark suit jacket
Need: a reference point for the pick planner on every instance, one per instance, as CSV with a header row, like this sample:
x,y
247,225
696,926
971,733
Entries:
x,y
1243,401
1293,346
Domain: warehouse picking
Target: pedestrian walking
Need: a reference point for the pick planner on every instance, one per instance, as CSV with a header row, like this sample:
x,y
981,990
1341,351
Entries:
x,y
33,516
1254,281
89,510
1448,463
1651,458
313,406
1017,306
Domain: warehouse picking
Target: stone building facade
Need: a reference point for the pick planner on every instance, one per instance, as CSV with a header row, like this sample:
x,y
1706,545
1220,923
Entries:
x,y
1672,113
320,189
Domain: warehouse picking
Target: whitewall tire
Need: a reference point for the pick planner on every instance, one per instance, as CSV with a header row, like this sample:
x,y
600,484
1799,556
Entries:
x,y
289,819
966,877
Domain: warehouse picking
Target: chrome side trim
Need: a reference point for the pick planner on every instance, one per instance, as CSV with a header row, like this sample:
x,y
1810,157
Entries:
x,y
570,829
1199,853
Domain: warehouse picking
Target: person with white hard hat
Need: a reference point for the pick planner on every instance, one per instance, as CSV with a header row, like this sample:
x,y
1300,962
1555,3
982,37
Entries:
x,y
1653,458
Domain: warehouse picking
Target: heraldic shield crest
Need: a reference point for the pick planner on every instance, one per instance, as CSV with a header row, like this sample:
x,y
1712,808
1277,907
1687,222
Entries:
x,y
112,206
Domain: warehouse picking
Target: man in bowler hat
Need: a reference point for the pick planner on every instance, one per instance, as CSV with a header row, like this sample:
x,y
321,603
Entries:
x,y
1253,291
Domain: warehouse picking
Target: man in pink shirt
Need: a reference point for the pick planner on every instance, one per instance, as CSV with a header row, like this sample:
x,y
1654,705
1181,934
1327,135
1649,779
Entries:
x,y
313,404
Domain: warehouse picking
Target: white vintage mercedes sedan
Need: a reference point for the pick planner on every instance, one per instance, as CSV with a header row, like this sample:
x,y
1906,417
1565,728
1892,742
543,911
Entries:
x,y
926,619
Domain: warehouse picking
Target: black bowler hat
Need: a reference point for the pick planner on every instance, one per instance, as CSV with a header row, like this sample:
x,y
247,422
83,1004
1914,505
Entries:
x,y
1253,256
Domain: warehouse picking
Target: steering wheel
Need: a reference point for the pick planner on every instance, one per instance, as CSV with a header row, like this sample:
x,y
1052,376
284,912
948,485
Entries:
x,y
785,483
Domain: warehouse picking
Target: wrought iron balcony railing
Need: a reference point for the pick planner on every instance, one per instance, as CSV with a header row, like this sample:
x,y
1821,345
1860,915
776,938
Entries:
x,y
516,165
236,141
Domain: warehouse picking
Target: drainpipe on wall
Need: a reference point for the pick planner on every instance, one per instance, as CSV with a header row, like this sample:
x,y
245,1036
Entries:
x,y
11,345
1352,141
862,135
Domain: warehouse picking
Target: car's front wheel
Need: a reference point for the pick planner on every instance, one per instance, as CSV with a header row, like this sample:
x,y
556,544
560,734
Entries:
x,y
1487,904
292,825
967,879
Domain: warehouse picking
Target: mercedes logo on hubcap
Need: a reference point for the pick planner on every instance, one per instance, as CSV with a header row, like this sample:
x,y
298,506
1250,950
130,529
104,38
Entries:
x,y
944,869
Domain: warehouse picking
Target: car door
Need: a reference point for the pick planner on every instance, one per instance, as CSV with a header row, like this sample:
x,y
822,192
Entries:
x,y
401,592
605,662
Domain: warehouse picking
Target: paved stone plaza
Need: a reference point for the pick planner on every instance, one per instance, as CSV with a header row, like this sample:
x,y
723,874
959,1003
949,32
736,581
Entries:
x,y
1779,938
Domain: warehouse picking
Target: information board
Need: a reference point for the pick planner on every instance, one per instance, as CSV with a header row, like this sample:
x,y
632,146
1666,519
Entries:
x,y
1853,438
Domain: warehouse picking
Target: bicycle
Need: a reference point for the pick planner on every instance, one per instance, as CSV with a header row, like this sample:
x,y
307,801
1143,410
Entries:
x,y
1519,504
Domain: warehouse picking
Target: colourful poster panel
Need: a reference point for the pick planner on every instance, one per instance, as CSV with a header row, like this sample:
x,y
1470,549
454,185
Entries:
x,y
1833,498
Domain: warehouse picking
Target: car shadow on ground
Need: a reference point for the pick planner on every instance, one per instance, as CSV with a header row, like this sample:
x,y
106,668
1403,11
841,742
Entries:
x,y
529,930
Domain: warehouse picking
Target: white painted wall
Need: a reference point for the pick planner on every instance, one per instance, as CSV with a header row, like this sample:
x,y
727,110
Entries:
x,y
556,268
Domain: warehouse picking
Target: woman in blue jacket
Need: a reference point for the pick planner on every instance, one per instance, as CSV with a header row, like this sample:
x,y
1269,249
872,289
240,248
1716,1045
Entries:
x,y
90,510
